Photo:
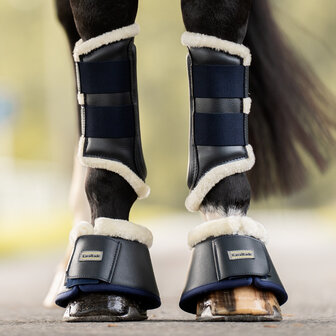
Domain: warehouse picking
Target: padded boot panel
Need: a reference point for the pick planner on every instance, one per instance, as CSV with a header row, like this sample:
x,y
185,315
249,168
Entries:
x,y
209,156
227,262
116,51
218,133
120,149
107,79
106,264
213,57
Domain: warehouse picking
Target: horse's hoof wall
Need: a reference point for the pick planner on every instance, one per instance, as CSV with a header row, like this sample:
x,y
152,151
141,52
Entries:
x,y
244,304
100,307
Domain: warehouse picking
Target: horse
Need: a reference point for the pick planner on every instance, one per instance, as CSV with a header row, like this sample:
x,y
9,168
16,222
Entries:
x,y
290,114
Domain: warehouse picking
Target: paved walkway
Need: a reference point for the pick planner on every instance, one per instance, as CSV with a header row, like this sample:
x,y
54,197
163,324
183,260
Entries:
x,y
302,246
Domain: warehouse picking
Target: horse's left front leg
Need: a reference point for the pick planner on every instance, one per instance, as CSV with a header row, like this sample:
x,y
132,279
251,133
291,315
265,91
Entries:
x,y
231,276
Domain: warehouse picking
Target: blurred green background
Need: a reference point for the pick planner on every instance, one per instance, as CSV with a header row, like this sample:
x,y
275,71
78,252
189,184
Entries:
x,y
38,129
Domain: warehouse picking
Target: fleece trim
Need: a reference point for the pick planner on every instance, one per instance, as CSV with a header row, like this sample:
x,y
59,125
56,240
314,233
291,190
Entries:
x,y
216,174
196,40
115,228
232,225
139,186
85,47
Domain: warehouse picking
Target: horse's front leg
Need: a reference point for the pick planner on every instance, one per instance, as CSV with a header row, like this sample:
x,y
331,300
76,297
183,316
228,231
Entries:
x,y
109,276
231,276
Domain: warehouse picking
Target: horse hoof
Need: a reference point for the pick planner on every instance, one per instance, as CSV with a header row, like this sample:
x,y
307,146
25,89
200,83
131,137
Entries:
x,y
244,304
100,307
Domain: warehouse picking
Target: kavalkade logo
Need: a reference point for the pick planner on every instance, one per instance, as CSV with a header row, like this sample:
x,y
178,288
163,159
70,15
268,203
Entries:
x,y
91,256
241,254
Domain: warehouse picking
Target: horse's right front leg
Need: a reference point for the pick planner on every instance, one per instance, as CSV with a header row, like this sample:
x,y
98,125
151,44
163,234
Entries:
x,y
109,276
231,276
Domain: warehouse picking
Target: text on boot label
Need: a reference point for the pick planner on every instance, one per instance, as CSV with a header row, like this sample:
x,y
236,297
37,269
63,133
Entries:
x,y
241,254
91,256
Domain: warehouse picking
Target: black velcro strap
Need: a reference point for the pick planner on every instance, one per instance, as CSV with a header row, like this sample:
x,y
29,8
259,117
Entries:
x,y
109,121
104,77
94,257
108,99
239,256
219,81
218,105
227,129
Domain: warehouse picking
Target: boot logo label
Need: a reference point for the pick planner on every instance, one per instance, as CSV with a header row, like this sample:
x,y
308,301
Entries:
x,y
91,256
241,254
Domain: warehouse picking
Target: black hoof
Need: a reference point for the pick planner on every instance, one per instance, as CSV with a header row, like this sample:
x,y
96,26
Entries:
x,y
100,307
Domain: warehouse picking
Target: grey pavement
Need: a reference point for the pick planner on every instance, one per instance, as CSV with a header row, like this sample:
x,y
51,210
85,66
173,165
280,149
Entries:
x,y
302,245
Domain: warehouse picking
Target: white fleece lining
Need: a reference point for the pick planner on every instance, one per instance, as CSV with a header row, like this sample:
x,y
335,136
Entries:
x,y
123,229
80,98
139,186
232,225
247,102
81,228
85,47
83,122
113,227
216,174
196,40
